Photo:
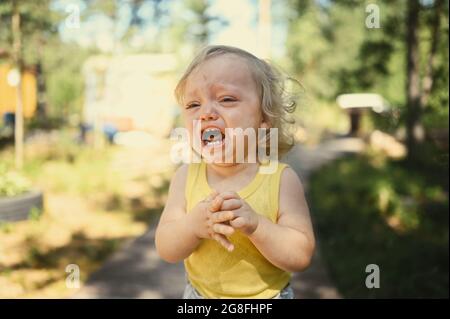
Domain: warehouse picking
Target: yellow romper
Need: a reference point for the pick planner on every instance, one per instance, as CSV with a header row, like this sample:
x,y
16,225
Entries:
x,y
244,272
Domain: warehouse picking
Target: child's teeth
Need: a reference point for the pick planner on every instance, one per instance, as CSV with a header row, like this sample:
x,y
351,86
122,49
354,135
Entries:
x,y
213,142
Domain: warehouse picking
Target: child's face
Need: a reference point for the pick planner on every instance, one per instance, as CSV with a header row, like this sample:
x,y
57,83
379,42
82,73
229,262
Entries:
x,y
221,93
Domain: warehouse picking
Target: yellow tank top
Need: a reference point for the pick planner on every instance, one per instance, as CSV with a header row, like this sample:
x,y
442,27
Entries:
x,y
244,272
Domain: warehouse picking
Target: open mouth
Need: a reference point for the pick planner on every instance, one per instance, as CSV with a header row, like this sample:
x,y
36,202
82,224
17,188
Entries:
x,y
212,137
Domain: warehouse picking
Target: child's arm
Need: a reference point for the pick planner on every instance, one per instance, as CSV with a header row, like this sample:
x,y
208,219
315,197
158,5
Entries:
x,y
174,238
178,234
289,244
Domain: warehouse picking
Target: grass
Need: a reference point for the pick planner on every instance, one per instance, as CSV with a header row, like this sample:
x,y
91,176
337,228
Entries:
x,y
87,215
368,210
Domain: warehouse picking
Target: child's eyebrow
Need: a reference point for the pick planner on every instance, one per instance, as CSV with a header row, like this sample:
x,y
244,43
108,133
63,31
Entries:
x,y
192,93
219,87
215,87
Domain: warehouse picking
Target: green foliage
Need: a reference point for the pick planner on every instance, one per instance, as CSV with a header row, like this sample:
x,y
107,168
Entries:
x,y
321,42
38,24
12,183
88,174
35,214
332,52
64,79
389,215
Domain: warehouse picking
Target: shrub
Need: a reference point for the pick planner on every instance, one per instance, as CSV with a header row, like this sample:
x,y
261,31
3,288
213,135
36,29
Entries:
x,y
387,214
12,183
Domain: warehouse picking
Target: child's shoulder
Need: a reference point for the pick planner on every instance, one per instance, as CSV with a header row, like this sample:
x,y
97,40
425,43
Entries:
x,y
182,169
185,175
290,179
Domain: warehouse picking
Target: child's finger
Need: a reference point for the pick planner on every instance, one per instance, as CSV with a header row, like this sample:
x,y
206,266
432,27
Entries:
x,y
223,229
222,216
211,196
238,222
216,204
224,241
230,204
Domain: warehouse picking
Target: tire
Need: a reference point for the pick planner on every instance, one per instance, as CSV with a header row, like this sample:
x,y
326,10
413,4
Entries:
x,y
19,207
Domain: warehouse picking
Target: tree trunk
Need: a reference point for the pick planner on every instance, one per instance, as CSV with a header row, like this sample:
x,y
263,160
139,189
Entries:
x,y
428,79
41,88
17,57
414,129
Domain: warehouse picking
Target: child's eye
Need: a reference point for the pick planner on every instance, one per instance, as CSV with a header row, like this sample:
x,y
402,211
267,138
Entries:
x,y
191,105
228,99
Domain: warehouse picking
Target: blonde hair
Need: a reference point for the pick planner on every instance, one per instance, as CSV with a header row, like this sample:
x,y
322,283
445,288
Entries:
x,y
276,103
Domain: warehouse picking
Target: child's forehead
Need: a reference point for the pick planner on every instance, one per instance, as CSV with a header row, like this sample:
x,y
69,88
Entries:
x,y
222,70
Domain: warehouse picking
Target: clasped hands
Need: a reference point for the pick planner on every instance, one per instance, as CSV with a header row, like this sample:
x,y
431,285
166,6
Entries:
x,y
220,215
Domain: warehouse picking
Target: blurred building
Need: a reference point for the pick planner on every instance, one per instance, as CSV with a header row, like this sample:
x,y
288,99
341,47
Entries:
x,y
8,94
130,93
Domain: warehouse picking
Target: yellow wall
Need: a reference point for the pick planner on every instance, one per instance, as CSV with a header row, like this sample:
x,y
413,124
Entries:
x,y
8,93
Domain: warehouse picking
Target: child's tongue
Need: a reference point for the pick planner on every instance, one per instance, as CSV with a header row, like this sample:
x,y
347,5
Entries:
x,y
212,136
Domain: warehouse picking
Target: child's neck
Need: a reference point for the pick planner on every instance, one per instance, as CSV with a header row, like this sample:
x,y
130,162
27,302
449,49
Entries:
x,y
233,169
231,177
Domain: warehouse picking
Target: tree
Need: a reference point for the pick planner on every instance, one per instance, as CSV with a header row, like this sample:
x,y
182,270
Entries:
x,y
323,44
406,60
30,22
418,89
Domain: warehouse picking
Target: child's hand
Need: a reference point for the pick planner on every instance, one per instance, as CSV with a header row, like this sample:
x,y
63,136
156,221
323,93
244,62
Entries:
x,y
239,214
220,230
204,225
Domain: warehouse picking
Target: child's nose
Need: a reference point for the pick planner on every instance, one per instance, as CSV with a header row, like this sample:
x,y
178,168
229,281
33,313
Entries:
x,y
209,116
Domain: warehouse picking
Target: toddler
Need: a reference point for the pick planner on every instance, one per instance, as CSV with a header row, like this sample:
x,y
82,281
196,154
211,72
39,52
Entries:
x,y
241,232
